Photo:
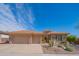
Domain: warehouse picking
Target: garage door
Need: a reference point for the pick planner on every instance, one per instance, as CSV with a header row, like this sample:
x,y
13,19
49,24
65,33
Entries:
x,y
21,39
36,39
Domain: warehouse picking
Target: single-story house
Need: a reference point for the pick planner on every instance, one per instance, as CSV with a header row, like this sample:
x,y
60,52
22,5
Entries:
x,y
4,37
31,37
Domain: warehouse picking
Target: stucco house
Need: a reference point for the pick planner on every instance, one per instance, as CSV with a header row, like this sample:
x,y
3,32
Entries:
x,y
32,37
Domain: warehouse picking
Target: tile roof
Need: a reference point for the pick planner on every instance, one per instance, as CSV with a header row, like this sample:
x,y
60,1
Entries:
x,y
25,32
33,32
58,33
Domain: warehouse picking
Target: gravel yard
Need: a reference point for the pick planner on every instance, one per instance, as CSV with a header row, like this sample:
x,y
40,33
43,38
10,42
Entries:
x,y
59,51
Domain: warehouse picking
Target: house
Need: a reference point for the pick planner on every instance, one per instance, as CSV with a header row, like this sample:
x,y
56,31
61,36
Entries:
x,y
4,37
32,37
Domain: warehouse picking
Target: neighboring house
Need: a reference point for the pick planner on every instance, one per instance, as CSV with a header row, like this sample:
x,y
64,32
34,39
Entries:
x,y
4,37
31,37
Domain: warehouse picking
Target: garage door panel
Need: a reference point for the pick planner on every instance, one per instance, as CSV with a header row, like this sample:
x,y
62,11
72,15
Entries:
x,y
21,39
36,39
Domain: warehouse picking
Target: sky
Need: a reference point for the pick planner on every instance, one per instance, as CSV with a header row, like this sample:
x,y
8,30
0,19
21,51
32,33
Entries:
x,y
39,17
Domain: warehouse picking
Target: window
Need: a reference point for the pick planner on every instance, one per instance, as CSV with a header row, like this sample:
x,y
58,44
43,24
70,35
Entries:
x,y
60,37
54,37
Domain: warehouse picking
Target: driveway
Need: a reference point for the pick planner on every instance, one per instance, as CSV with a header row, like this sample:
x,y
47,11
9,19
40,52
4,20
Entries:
x,y
20,49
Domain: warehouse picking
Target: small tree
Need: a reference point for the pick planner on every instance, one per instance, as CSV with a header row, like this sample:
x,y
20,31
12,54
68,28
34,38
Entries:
x,y
71,38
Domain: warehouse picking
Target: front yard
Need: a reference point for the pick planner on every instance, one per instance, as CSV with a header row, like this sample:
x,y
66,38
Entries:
x,y
60,51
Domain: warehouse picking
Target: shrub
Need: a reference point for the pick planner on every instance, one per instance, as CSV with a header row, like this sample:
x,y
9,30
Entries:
x,y
66,46
61,46
69,49
71,38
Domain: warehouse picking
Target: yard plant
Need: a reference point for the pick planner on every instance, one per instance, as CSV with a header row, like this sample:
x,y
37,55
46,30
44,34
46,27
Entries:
x,y
71,38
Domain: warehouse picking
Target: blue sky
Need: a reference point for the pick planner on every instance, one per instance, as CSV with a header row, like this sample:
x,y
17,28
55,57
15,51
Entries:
x,y
38,17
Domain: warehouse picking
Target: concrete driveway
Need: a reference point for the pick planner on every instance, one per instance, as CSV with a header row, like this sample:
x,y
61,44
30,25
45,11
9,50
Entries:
x,y
20,49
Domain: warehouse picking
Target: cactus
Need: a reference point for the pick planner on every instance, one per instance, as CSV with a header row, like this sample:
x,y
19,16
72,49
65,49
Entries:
x,y
51,43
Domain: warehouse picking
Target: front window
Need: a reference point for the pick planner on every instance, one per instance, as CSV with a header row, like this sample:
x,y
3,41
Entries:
x,y
60,37
54,37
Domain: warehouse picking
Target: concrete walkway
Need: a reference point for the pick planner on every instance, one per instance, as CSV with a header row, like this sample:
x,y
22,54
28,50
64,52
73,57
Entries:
x,y
20,49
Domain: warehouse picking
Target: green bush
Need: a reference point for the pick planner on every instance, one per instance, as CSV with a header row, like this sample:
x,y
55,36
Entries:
x,y
66,46
71,38
69,49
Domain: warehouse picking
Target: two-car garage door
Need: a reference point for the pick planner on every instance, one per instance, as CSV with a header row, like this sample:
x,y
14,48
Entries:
x,y
26,39
21,39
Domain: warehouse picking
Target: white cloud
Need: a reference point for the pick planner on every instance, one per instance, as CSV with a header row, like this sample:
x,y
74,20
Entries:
x,y
8,21
26,16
